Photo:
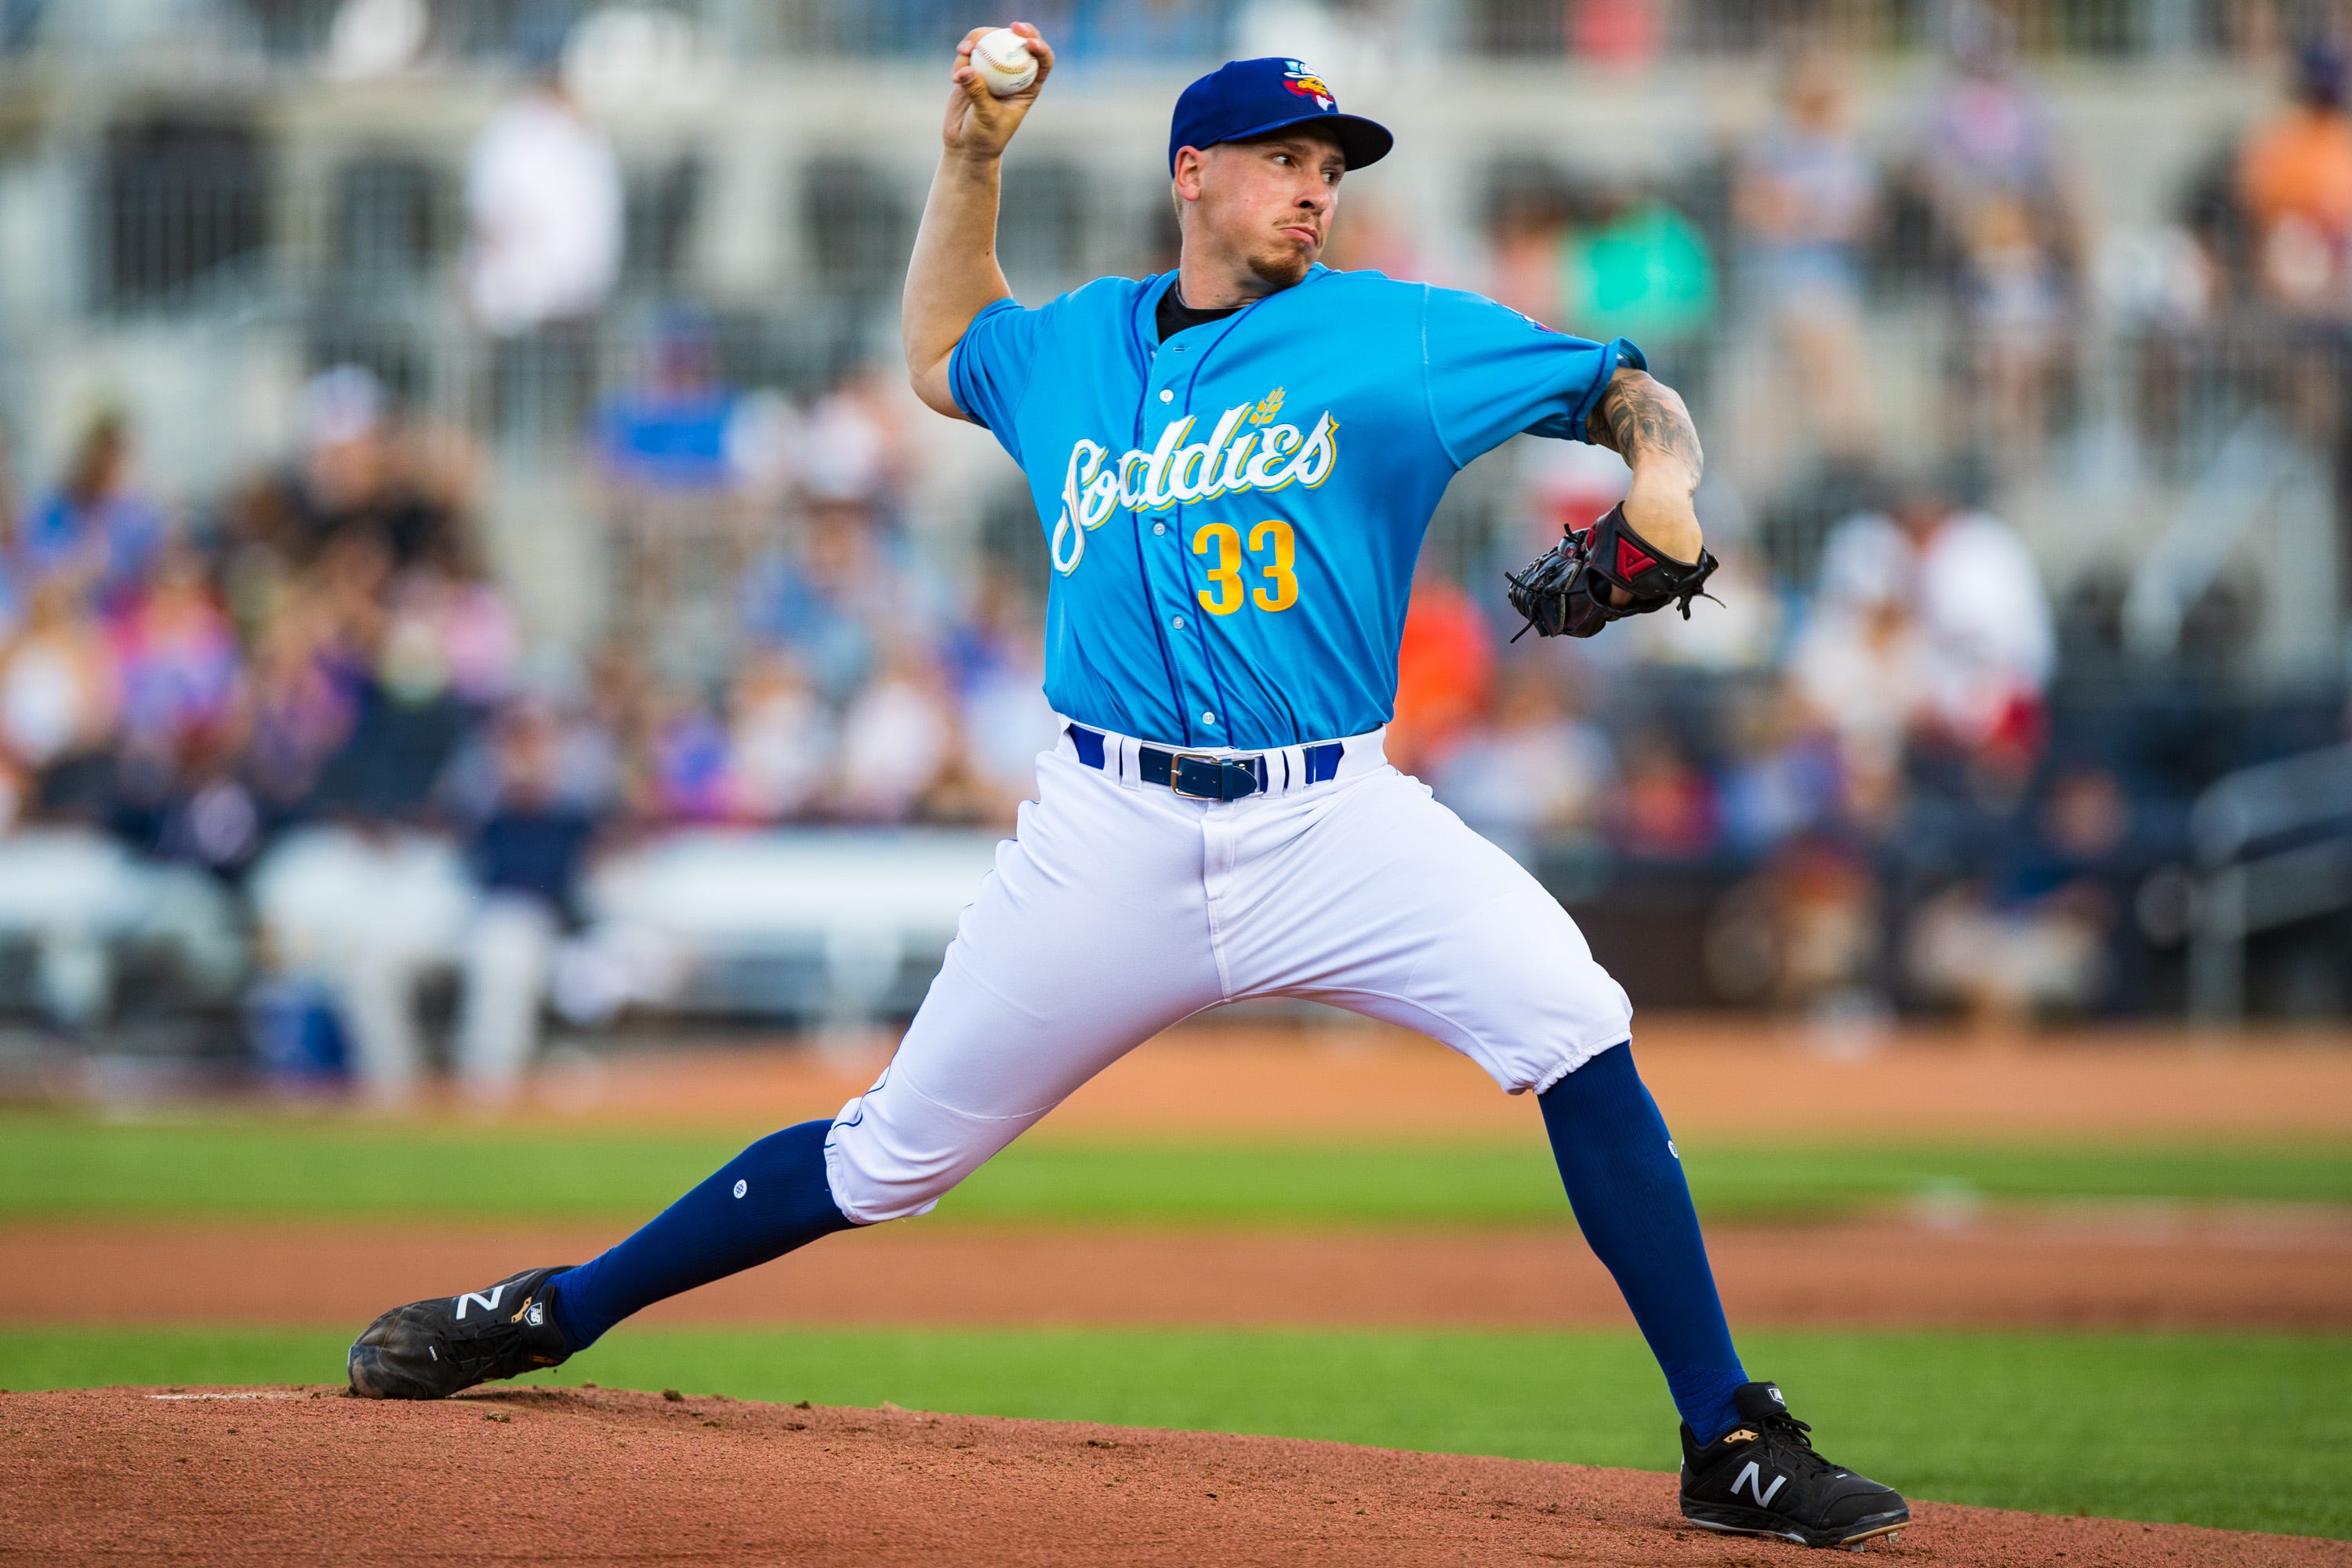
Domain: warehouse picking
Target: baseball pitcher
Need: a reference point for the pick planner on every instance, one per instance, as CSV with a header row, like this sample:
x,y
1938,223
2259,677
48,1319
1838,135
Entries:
x,y
1233,464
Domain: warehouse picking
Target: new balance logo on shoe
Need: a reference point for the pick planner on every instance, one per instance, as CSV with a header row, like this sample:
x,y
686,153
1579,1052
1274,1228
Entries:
x,y
1765,1478
1752,1476
499,1330
486,1299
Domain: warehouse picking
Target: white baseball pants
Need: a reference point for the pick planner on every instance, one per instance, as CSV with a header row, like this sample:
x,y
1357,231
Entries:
x,y
1120,908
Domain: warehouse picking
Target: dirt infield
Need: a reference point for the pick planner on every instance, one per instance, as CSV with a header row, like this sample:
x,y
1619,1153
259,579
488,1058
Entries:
x,y
2045,1272
300,1476
1719,1076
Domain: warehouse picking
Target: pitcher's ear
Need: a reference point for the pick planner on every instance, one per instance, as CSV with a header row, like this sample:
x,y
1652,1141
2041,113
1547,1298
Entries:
x,y
1190,163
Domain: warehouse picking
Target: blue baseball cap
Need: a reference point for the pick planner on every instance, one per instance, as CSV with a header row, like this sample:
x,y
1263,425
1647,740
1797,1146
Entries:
x,y
1243,98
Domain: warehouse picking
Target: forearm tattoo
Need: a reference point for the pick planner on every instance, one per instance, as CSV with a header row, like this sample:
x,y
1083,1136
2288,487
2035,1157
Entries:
x,y
1641,416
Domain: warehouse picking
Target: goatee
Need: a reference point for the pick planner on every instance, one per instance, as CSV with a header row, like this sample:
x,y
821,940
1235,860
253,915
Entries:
x,y
1282,267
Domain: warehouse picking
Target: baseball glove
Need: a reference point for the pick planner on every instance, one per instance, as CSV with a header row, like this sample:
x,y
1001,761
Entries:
x,y
1565,592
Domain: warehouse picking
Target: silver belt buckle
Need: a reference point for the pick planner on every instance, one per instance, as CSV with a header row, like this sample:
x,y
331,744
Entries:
x,y
1176,761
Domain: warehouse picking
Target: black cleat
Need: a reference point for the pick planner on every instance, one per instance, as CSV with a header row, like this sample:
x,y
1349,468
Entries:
x,y
1762,1478
430,1350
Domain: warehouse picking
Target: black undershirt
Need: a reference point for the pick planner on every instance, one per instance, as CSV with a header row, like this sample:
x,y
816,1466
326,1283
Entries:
x,y
1174,316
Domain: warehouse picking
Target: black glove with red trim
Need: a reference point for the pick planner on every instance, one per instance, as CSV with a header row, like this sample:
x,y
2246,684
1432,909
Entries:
x,y
1566,591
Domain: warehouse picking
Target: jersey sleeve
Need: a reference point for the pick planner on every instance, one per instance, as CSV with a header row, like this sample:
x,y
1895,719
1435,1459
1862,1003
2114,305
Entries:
x,y
989,372
1493,373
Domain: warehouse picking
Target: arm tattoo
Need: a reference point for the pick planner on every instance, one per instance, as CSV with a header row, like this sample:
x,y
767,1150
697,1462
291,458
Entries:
x,y
1641,416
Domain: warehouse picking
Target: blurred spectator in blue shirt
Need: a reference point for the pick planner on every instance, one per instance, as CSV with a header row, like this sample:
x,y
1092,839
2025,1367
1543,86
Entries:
x,y
94,529
1994,175
1535,773
308,674
547,792
2032,931
1804,199
689,761
996,664
527,856
1785,777
669,430
801,600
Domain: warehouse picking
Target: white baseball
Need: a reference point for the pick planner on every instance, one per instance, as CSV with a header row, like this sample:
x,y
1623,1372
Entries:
x,y
1004,62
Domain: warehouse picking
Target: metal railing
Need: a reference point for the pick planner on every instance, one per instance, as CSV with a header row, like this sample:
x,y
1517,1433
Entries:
x,y
2273,846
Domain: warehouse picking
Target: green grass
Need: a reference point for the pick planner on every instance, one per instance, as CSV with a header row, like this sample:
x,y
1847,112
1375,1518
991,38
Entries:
x,y
2241,1431
64,1168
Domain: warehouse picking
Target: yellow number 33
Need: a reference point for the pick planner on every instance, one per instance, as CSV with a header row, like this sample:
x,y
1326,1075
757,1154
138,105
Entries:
x,y
1225,594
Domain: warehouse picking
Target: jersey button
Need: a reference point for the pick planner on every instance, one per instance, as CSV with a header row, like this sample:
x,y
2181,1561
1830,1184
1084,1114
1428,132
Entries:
x,y
1167,395
1176,623
1159,528
1208,717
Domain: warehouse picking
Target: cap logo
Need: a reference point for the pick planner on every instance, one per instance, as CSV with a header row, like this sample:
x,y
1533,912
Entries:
x,y
1307,84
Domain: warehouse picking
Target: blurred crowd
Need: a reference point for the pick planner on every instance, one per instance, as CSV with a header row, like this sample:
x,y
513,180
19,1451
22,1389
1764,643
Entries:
x,y
315,698
324,653
314,690
328,641
1859,753
1863,780
1752,274
328,650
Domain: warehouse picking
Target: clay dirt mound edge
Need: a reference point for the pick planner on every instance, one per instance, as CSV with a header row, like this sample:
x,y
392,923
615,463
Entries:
x,y
310,1475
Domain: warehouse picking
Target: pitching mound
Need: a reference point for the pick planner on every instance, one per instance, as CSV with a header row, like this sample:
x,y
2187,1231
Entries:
x,y
294,1474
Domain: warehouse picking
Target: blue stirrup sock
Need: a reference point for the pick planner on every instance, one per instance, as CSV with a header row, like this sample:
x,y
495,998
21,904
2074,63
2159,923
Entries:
x,y
766,1201
1625,1182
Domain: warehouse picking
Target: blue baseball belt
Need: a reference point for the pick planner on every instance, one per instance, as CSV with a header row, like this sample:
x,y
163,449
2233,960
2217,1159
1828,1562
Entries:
x,y
1201,776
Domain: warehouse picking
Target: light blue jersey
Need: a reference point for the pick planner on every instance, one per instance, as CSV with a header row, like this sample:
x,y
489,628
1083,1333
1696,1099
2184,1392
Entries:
x,y
1234,514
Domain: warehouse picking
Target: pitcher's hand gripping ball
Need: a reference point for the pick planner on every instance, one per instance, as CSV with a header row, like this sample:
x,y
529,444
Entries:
x,y
1004,62
1566,591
